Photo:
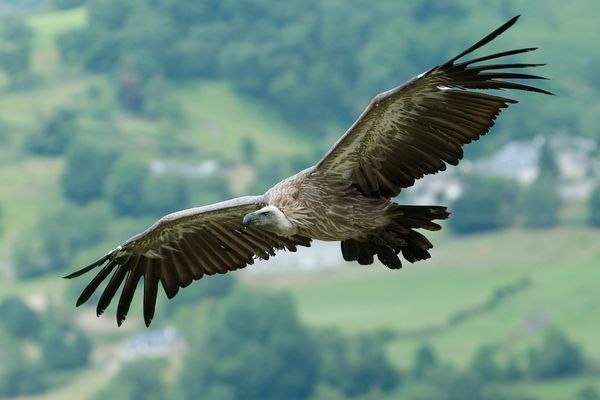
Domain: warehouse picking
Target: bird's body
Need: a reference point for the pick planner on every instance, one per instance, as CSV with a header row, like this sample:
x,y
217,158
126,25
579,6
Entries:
x,y
405,133
321,211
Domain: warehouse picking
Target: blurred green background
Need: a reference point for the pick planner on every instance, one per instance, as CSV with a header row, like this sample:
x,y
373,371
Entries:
x,y
114,113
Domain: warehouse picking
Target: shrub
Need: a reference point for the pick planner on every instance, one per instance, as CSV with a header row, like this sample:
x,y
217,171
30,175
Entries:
x,y
485,205
557,356
87,166
594,207
55,134
540,204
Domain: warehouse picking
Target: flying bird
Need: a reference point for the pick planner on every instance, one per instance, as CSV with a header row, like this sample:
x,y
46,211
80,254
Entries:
x,y
405,133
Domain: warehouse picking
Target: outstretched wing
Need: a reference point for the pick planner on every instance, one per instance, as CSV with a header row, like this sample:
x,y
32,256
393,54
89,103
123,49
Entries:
x,y
182,247
418,127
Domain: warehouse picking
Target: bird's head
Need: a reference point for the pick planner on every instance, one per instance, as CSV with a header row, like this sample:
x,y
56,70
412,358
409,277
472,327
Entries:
x,y
270,218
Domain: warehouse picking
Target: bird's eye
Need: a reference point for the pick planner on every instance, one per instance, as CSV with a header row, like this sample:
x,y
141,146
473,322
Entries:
x,y
266,213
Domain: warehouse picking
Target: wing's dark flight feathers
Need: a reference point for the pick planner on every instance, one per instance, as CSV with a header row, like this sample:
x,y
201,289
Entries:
x,y
111,288
150,291
361,181
432,145
222,258
485,40
372,183
237,245
220,254
265,245
213,255
195,259
204,255
466,132
426,159
195,266
193,245
95,282
131,282
472,122
480,68
89,267
256,238
224,247
462,65
484,76
303,240
248,243
172,261
389,187
170,281
499,85
455,129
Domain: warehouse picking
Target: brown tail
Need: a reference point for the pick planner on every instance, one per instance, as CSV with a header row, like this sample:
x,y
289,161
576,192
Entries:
x,y
398,236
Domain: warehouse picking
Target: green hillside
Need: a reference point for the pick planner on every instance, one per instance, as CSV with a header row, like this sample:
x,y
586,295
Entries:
x,y
464,274
259,122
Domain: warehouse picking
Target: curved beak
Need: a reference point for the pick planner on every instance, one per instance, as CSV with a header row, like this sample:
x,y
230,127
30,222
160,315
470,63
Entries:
x,y
250,219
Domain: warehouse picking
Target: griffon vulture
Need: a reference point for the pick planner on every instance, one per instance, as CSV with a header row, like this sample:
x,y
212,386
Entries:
x,y
405,133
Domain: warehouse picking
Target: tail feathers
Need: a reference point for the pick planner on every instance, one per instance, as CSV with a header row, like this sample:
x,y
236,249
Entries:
x,y
399,236
419,216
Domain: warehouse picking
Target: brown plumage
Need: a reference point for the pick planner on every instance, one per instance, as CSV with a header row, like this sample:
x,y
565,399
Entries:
x,y
405,133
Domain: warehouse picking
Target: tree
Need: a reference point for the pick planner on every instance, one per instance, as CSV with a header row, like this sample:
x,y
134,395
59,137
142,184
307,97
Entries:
x,y
248,149
217,287
64,346
140,380
164,193
255,348
485,204
18,376
425,360
540,204
588,393
59,236
594,207
125,186
16,40
133,190
87,167
484,364
547,162
557,356
356,365
55,134
66,4
18,319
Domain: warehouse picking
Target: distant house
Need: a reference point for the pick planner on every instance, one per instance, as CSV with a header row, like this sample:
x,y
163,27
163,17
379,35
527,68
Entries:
x,y
151,344
518,160
188,170
441,188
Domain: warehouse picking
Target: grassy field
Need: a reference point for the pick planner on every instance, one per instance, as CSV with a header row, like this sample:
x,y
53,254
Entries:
x,y
561,264
219,120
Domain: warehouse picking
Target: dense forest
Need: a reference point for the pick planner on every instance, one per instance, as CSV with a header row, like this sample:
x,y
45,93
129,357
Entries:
x,y
114,113
316,63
